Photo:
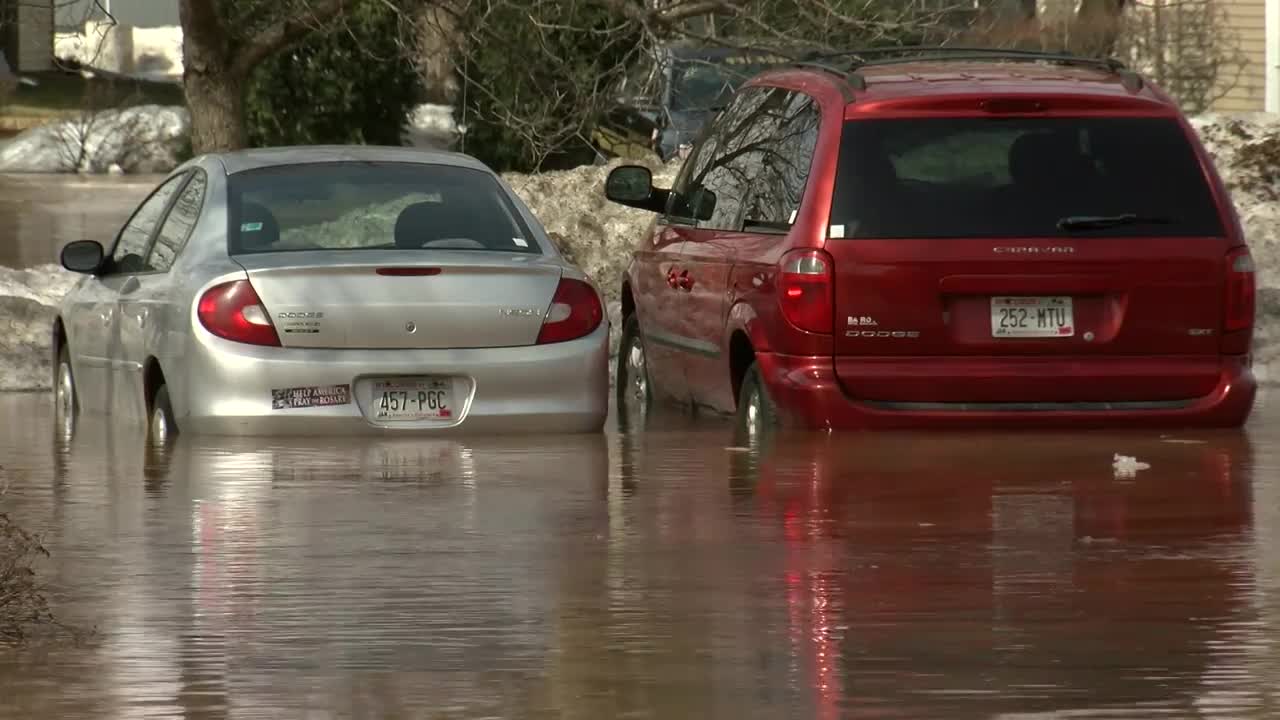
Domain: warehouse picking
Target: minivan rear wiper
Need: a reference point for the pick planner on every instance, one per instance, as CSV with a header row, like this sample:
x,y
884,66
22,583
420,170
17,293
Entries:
x,y
1097,222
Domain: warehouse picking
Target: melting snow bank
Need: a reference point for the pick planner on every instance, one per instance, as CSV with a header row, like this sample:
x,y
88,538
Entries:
x,y
1246,150
593,233
598,235
143,139
27,301
147,138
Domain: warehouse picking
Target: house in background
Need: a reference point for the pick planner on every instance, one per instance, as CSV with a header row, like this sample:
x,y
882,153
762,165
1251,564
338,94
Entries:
x,y
1256,25
72,14
141,38
26,34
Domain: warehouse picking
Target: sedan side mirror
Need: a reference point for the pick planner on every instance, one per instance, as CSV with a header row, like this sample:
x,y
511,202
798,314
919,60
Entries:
x,y
83,256
632,185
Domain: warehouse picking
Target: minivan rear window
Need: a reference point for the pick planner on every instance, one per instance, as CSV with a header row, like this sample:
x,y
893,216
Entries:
x,y
1020,177
371,206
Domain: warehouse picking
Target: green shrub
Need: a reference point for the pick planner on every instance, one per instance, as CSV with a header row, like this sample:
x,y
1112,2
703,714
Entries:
x,y
348,84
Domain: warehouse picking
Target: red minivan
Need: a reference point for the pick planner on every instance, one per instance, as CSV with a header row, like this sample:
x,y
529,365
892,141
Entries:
x,y
942,238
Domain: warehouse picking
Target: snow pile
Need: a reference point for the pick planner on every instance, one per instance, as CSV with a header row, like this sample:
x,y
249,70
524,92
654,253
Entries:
x,y
27,301
1246,150
593,233
142,139
432,126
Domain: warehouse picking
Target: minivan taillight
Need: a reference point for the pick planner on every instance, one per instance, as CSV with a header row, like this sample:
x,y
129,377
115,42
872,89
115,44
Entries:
x,y
804,290
1241,288
575,312
233,311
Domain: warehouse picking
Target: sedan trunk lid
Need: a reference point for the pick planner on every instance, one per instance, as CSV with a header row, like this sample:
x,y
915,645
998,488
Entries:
x,y
390,299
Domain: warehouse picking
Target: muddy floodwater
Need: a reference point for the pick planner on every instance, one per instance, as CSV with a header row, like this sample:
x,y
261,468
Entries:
x,y
656,574
41,213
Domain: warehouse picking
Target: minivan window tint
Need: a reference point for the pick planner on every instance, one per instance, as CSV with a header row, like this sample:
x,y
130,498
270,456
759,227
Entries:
x,y
372,205
1020,177
745,139
778,188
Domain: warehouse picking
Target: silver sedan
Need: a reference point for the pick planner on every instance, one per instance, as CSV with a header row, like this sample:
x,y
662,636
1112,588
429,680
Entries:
x,y
332,290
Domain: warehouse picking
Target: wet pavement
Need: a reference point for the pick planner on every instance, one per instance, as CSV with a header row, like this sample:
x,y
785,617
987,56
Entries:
x,y
656,574
41,213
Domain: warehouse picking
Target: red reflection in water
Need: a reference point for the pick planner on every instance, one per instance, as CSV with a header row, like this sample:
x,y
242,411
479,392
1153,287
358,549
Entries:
x,y
1032,567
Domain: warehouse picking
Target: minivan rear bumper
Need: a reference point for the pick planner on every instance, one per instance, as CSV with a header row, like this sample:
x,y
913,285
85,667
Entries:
x,y
809,394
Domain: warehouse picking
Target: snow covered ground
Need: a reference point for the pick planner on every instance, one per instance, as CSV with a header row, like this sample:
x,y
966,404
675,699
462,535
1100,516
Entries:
x,y
27,300
597,235
142,139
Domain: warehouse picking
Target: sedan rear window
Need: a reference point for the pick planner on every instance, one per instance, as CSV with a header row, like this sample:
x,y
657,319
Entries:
x,y
372,205
1020,177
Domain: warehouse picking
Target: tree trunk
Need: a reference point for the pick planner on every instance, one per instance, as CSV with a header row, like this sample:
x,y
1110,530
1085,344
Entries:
x,y
217,62
215,98
1098,27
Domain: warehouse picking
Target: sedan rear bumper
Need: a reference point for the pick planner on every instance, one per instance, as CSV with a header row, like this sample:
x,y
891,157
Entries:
x,y
809,395
561,387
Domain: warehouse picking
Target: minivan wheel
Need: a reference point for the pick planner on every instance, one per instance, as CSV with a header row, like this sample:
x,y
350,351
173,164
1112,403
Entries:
x,y
161,428
757,415
635,393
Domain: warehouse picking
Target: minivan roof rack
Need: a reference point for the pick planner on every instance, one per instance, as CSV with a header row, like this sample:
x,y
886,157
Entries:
x,y
847,62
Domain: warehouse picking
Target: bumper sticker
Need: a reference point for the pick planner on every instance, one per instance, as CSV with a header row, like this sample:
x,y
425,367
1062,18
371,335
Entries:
x,y
314,396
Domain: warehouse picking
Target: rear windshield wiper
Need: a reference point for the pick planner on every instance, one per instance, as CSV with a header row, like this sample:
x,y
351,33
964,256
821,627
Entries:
x,y
1098,222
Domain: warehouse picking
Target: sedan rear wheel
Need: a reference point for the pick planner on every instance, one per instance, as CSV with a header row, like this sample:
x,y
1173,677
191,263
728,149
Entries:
x,y
161,428
64,392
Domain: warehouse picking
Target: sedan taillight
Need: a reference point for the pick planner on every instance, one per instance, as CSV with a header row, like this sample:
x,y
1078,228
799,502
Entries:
x,y
575,312
233,311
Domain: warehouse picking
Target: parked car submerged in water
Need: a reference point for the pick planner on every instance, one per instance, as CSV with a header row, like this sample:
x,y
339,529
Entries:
x,y
332,290
942,238
665,105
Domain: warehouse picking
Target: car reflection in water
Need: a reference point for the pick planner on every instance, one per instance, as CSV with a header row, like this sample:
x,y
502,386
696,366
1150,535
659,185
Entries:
x,y
1008,573
666,573
391,571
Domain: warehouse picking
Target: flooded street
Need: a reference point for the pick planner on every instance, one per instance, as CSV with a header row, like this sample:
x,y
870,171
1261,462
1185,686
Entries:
x,y
657,574
41,213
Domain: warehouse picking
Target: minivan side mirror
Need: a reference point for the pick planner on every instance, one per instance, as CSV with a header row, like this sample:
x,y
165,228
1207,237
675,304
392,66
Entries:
x,y
632,185
83,256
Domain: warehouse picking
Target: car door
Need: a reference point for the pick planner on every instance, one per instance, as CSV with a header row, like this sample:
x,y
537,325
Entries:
x,y
88,325
146,310
659,298
122,276
746,136
658,309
